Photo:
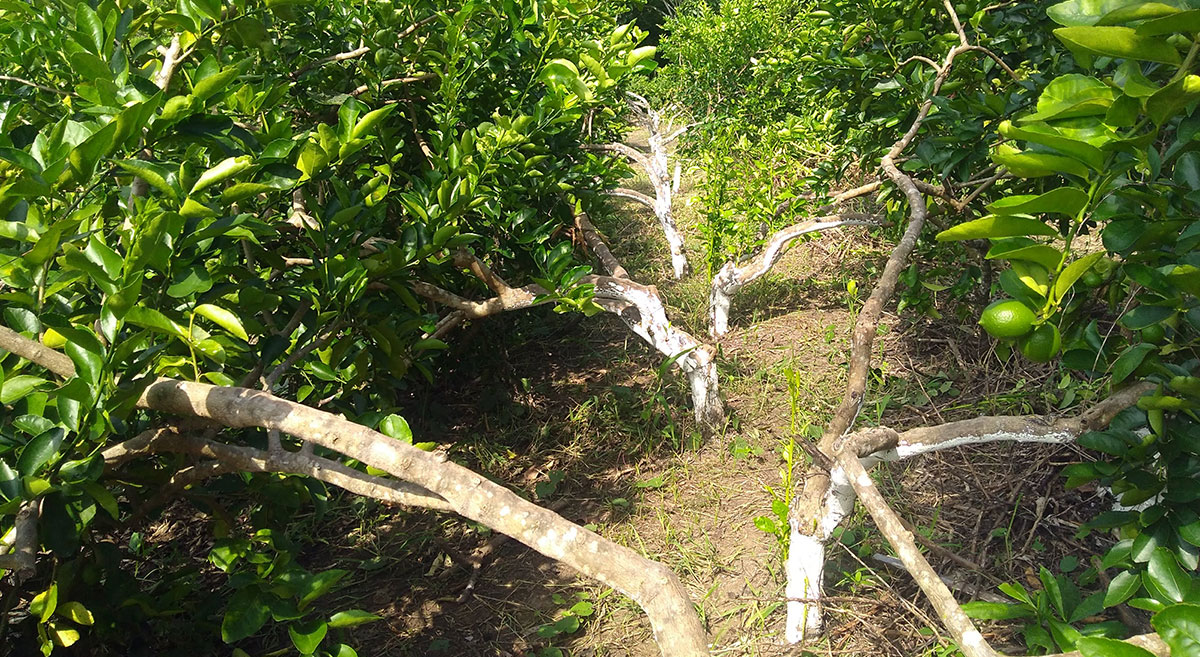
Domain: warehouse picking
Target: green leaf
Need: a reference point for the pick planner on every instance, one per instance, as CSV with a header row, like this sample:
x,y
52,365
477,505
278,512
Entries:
x,y
1165,579
245,615
1121,588
76,613
15,388
1184,21
223,318
90,28
73,399
21,159
996,610
995,226
1026,164
156,175
312,160
1179,627
394,426
189,282
84,157
1118,42
1171,99
1072,96
1020,248
39,451
1072,273
1137,12
1061,200
366,125
352,617
562,73
1040,133
154,320
1101,647
320,584
204,89
224,170
1128,361
307,636
1082,12
45,603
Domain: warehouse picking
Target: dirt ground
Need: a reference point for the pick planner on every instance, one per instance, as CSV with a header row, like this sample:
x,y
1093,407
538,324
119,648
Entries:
x,y
574,413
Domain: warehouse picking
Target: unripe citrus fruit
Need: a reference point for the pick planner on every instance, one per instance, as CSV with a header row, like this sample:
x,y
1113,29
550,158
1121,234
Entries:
x,y
1042,345
1008,318
1092,279
1154,334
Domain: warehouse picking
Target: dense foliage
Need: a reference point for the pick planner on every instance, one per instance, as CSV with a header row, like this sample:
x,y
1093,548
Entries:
x,y
1086,109
219,190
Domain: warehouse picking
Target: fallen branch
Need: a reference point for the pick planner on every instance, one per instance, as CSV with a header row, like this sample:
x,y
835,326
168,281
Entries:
x,y
654,587
736,275
657,168
822,502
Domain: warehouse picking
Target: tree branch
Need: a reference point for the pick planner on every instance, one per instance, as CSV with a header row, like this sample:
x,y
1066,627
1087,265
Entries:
x,y
359,52
247,459
654,587
631,194
735,275
23,557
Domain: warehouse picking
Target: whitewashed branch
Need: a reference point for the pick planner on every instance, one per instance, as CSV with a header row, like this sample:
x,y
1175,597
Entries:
x,y
735,275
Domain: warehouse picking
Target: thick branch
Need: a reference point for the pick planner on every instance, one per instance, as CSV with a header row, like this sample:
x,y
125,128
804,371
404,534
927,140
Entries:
x,y
248,459
966,635
659,592
23,557
632,195
677,628
599,247
822,502
36,352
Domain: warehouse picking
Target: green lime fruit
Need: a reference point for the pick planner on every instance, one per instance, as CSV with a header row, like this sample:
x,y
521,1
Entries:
x,y
1154,334
1092,279
1008,318
1042,345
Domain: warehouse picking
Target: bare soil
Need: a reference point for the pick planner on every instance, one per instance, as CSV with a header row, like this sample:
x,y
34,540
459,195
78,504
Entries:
x,y
572,411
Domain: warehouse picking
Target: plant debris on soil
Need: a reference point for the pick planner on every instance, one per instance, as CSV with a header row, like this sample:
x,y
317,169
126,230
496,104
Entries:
x,y
573,412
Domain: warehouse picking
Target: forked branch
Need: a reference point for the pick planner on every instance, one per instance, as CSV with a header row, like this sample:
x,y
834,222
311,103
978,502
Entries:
x,y
677,628
736,275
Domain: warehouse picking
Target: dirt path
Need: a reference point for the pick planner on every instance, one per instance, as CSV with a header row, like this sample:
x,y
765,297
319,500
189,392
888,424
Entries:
x,y
573,412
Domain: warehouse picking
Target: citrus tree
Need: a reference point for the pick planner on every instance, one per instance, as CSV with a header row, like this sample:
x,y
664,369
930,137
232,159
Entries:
x,y
1055,145
232,234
